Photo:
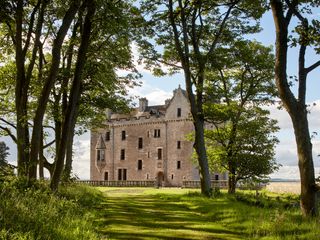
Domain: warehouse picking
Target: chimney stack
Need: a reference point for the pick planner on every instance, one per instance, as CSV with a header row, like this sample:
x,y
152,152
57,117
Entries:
x,y
143,104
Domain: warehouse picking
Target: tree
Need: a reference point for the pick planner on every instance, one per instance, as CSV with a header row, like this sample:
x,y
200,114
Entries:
x,y
3,154
190,32
37,28
75,92
247,154
305,35
240,82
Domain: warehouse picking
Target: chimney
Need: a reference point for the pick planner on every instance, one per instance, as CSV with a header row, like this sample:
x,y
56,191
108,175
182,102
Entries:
x,y
108,113
143,104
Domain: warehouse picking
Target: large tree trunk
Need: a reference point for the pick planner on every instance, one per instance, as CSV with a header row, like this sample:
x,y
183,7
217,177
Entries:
x,y
295,107
306,167
41,158
200,148
232,178
21,97
67,130
69,151
48,85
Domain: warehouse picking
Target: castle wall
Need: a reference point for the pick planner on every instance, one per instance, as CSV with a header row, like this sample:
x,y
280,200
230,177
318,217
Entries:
x,y
175,163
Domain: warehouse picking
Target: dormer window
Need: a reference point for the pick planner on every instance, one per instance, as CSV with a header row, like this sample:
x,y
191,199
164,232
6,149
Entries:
x,y
178,112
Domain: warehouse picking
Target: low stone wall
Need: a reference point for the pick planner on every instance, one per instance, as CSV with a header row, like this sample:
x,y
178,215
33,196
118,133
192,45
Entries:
x,y
120,183
214,184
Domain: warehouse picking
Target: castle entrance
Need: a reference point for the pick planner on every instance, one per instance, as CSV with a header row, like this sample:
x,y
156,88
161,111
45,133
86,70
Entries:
x,y
160,179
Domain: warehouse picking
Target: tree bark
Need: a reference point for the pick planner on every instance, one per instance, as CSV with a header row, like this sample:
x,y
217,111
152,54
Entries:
x,y
232,181
295,107
74,95
21,97
69,151
199,146
306,166
41,158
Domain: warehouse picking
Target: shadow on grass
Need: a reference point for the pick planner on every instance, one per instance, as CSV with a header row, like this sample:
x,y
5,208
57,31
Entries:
x,y
166,217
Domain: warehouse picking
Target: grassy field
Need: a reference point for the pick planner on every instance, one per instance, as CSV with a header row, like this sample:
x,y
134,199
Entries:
x,y
35,213
141,213
79,212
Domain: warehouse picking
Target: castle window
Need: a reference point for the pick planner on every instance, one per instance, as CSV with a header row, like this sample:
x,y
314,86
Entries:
x,y
156,133
122,174
216,177
171,176
178,144
148,154
178,164
178,112
108,136
106,176
139,164
100,155
140,143
123,135
147,176
122,154
159,153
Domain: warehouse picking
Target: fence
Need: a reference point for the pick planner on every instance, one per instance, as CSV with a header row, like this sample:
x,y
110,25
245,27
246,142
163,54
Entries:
x,y
214,184
149,183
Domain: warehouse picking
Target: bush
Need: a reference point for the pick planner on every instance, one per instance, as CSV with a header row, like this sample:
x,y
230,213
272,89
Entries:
x,y
36,213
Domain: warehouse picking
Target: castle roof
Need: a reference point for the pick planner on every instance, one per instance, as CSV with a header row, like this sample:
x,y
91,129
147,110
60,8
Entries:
x,y
147,111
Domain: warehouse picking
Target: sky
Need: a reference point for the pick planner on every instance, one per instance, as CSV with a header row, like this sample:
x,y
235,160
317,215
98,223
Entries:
x,y
157,90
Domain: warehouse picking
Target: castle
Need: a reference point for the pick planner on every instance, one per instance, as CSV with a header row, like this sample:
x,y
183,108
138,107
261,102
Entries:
x,y
149,143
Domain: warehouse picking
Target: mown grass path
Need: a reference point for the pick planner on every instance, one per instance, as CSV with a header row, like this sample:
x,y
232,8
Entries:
x,y
164,214
142,213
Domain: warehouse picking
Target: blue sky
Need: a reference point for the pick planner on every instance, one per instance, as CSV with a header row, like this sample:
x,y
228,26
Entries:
x,y
158,89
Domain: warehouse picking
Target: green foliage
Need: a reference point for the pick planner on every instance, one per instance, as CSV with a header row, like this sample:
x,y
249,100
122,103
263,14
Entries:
x,y
198,24
36,213
242,139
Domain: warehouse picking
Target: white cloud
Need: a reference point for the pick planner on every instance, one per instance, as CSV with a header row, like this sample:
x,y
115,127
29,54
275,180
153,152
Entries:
x,y
81,159
284,120
155,95
291,172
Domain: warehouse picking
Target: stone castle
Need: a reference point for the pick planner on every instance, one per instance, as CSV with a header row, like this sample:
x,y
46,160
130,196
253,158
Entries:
x,y
148,144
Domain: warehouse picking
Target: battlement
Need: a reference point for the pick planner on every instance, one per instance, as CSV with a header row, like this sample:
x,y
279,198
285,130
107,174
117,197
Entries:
x,y
134,118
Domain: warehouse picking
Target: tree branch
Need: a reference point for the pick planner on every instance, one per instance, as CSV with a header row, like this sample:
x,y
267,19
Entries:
x,y
48,144
10,134
9,123
37,41
313,66
26,46
292,9
222,25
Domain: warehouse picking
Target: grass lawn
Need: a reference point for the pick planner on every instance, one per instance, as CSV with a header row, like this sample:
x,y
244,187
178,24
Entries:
x,y
146,213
